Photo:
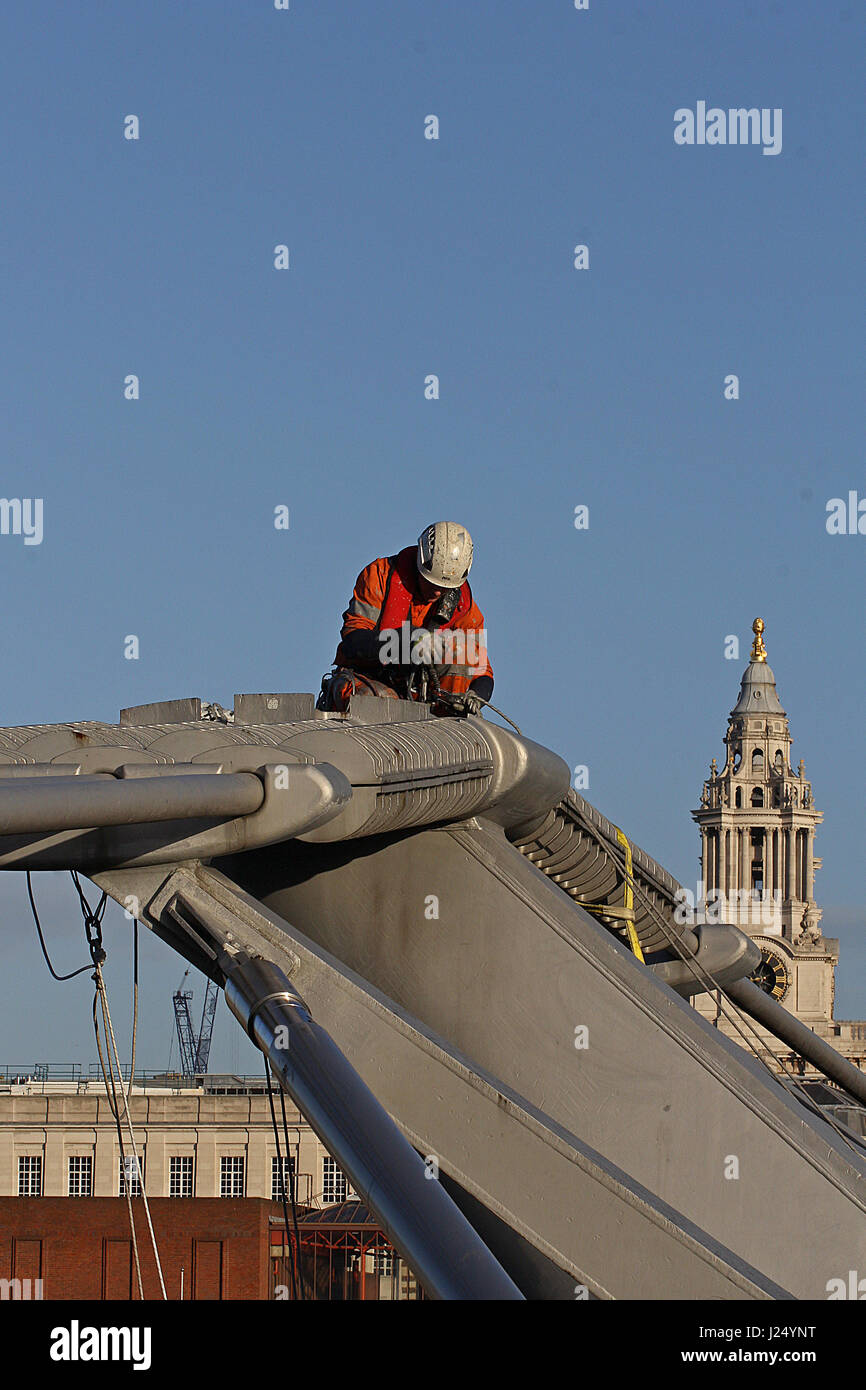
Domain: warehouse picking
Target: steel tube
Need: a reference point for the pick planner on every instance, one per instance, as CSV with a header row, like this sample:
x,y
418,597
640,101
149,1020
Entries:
x,y
418,1216
788,1029
75,803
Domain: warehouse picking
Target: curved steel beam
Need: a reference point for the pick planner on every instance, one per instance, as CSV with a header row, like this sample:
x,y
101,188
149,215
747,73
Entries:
x,y
69,803
416,1213
283,801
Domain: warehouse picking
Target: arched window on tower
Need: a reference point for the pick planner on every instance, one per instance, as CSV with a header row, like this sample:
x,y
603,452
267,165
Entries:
x,y
757,797
779,763
757,869
738,797
757,761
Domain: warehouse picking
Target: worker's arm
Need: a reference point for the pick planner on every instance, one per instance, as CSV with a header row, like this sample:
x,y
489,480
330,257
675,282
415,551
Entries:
x,y
361,644
359,638
482,686
471,683
481,678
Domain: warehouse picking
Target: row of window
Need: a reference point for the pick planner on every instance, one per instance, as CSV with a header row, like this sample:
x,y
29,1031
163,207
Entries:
x,y
335,1186
758,761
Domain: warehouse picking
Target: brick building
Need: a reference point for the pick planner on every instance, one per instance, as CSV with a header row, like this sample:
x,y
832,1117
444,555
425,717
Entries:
x,y
80,1247
213,1180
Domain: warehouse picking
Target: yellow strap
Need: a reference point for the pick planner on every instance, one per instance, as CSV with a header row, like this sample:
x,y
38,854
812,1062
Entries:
x,y
629,895
626,912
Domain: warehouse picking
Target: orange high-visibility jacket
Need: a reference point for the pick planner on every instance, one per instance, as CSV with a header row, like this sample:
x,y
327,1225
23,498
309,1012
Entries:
x,y
464,652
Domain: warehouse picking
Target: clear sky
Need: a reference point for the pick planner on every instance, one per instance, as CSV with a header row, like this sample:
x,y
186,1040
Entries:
x,y
305,387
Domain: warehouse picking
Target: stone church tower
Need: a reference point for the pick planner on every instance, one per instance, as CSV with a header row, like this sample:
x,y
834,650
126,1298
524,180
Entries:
x,y
757,820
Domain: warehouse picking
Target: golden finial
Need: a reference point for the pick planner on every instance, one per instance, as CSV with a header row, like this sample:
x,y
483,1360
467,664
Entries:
x,y
759,651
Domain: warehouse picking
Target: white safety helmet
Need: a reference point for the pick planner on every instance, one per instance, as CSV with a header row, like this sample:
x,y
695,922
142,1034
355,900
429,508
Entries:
x,y
445,554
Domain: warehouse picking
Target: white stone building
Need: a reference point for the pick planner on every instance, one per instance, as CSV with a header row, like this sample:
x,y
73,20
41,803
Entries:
x,y
757,820
58,1138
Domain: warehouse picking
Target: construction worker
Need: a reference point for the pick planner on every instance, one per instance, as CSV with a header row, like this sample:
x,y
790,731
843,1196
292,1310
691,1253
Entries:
x,y
413,630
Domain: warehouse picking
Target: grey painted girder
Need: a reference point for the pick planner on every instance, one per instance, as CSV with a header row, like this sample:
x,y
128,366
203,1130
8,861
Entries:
x,y
482,1133
762,1007
130,814
416,1214
507,972
340,780
65,803
691,962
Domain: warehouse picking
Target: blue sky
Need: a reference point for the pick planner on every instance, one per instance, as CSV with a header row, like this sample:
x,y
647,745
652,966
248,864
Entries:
x,y
558,387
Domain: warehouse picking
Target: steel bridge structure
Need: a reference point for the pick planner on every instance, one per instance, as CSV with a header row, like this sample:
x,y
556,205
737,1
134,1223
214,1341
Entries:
x,y
474,987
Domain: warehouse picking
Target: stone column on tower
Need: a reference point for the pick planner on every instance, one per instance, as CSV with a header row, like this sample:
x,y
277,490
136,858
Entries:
x,y
789,864
768,864
745,846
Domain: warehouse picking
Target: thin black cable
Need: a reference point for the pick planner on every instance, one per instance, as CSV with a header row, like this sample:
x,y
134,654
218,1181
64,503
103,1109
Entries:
x,y
72,973
292,1188
93,931
92,915
281,1175
134,1003
297,1281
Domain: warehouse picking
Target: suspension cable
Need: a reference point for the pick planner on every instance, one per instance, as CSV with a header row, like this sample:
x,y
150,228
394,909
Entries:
x,y
111,1096
293,1193
734,1015
294,1253
72,973
103,996
134,1003
93,931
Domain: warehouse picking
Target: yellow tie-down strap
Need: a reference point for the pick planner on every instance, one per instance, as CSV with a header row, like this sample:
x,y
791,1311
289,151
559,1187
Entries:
x,y
626,912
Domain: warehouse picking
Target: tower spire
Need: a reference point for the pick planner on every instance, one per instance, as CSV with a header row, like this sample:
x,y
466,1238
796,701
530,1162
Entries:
x,y
758,819
759,651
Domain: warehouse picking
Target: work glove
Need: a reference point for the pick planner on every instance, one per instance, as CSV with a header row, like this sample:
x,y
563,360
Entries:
x,y
467,703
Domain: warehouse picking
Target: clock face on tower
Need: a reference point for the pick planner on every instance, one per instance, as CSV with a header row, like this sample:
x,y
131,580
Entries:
x,y
771,975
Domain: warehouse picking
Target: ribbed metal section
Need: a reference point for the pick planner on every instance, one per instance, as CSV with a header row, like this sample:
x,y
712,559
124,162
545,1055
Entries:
x,y
391,747
18,735
560,844
405,809
419,747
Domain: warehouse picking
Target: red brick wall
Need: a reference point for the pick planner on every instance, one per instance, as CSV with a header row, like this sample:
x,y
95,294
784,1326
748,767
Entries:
x,y
80,1246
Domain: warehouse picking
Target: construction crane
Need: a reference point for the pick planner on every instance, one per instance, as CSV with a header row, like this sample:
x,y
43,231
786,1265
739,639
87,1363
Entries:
x,y
194,1052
